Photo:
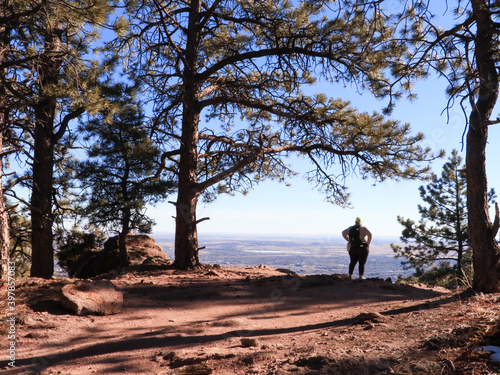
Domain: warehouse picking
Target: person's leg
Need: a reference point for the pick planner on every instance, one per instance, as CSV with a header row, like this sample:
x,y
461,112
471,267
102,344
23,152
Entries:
x,y
363,256
354,254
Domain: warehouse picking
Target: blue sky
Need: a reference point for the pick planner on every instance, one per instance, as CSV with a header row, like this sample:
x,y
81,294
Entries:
x,y
275,209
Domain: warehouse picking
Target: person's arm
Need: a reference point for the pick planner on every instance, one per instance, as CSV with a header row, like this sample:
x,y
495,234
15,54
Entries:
x,y
368,236
345,234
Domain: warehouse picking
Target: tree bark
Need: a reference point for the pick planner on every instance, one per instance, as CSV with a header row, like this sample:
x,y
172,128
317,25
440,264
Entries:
x,y
186,235
458,224
41,199
482,237
122,239
4,220
126,215
43,163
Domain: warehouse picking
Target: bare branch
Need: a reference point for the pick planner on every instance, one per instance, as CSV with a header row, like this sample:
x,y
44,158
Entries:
x,y
201,220
163,163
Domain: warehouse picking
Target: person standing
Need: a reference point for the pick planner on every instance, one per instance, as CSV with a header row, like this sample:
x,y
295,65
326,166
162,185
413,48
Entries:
x,y
358,240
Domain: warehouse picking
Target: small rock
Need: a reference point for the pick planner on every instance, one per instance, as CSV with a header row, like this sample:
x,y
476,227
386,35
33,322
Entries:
x,y
248,342
169,356
369,317
369,326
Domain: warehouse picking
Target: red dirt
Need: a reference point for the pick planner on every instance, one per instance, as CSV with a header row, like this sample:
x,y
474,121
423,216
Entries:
x,y
177,322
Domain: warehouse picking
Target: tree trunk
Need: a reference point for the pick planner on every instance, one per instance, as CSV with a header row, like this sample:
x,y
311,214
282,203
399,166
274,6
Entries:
x,y
4,220
482,236
122,245
186,235
122,239
43,162
41,199
458,224
126,215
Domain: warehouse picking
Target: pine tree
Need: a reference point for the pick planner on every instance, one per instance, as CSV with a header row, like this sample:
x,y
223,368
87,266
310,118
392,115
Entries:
x,y
440,237
243,64
120,173
52,41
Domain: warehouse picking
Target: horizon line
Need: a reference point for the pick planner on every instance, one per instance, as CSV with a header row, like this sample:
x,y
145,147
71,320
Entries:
x,y
233,234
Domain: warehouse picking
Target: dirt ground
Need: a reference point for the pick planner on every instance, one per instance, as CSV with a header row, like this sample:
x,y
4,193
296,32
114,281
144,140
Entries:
x,y
254,320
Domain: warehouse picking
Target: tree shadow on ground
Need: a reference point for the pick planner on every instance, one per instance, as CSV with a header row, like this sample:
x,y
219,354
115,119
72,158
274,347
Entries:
x,y
288,293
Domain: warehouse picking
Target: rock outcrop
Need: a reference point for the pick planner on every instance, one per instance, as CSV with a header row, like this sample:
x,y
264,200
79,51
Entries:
x,y
98,297
141,249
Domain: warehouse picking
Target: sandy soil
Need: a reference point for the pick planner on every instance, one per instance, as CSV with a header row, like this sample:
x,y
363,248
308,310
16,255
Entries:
x,y
254,321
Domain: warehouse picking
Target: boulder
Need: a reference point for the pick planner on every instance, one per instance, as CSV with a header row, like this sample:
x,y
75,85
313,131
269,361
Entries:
x,y
141,250
140,247
98,297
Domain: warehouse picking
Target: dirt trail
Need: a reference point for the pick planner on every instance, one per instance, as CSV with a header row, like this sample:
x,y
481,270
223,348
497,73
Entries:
x,y
254,321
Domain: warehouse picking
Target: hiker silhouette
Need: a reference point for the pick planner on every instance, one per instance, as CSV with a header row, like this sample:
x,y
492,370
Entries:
x,y
358,239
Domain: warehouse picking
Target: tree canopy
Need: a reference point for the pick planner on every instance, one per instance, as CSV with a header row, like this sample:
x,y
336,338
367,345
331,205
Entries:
x,y
227,81
231,90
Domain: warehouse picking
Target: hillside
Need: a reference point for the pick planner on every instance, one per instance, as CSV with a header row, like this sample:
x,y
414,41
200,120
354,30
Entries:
x,y
255,320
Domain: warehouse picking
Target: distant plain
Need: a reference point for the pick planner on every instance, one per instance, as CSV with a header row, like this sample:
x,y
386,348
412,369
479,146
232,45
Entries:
x,y
305,255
